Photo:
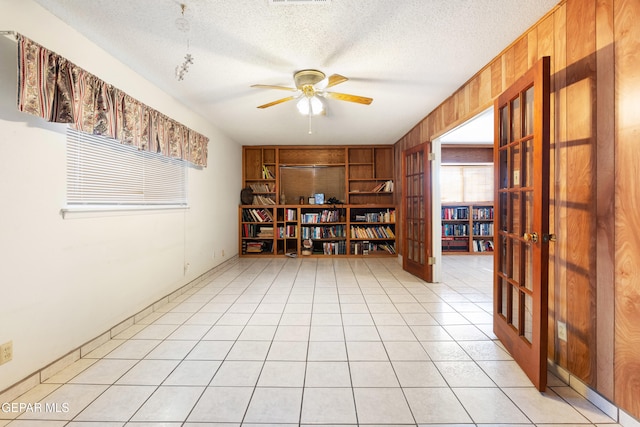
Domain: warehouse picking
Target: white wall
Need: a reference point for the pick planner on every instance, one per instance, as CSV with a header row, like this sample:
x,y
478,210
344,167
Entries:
x,y
65,281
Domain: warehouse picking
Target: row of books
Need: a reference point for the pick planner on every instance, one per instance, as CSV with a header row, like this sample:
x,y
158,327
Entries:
x,y
253,247
257,230
385,216
483,213
262,200
372,233
324,216
266,173
483,245
455,213
256,215
262,188
334,248
483,229
323,232
383,187
287,231
290,214
366,248
455,229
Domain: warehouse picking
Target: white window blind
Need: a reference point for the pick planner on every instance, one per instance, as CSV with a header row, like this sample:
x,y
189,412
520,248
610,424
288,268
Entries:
x,y
103,172
466,183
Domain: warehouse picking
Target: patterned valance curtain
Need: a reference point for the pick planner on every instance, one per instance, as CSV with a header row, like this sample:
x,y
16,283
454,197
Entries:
x,y
57,90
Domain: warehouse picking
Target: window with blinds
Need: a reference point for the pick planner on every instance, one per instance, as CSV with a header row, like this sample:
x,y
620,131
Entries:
x,y
103,172
466,183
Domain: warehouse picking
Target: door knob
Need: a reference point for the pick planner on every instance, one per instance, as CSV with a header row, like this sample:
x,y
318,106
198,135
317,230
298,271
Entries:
x,y
530,237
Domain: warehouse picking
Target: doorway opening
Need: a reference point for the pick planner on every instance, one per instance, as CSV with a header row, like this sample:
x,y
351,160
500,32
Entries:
x,y
463,191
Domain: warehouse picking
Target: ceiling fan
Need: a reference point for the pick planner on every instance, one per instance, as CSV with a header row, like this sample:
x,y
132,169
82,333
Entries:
x,y
310,86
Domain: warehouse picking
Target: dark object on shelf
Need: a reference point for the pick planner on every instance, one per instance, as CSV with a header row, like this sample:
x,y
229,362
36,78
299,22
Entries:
x,y
246,196
333,201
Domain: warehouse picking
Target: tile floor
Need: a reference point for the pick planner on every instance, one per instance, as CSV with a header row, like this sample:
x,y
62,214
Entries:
x,y
310,342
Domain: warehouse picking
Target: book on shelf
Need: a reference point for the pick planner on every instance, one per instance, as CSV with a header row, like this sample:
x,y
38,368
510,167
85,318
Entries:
x,y
317,217
483,245
455,213
256,215
372,233
262,188
262,200
383,187
266,173
385,216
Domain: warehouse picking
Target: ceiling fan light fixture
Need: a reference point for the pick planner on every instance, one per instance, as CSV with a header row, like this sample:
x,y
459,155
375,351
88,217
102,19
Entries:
x,y
310,106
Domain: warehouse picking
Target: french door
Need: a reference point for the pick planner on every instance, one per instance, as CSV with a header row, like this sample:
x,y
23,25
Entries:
x,y
521,159
416,208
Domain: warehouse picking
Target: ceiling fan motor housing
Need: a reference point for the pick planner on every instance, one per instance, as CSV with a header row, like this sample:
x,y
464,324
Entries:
x,y
308,77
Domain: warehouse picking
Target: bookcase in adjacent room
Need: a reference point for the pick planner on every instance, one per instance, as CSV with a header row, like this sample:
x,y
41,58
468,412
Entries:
x,y
467,228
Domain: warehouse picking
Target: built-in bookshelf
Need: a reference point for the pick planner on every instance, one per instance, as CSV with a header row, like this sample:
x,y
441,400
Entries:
x,y
256,230
320,230
281,175
467,228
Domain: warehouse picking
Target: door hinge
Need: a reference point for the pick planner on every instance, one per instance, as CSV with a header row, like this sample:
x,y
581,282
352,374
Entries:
x,y
431,260
431,156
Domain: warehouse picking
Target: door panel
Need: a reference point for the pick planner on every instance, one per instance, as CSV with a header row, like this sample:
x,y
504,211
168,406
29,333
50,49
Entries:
x,y
521,156
416,208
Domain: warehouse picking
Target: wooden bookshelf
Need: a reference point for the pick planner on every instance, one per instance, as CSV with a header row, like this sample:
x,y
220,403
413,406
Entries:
x,y
334,230
467,228
285,178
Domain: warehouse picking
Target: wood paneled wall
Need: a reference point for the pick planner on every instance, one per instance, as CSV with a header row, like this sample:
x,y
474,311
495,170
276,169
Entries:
x,y
595,188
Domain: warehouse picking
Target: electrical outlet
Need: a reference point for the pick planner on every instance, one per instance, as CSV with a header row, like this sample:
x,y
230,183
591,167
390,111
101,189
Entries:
x,y
6,352
562,331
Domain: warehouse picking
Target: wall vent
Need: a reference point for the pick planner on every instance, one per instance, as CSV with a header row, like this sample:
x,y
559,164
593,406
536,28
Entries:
x,y
294,2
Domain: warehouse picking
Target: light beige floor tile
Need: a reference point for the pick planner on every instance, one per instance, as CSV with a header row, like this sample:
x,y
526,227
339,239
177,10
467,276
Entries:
x,y
327,374
176,350
327,351
382,406
373,374
288,350
249,350
405,350
464,374
222,405
104,371
193,373
435,405
544,408
169,403
234,373
148,372
210,350
505,373
133,349
418,374
118,403
65,402
282,374
366,351
445,350
274,405
328,405
489,405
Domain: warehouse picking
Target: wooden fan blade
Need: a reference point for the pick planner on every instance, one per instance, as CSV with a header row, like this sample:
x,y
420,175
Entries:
x,y
290,89
279,101
350,98
336,79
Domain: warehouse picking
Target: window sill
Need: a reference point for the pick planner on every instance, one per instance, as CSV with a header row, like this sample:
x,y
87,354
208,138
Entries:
x,y
71,212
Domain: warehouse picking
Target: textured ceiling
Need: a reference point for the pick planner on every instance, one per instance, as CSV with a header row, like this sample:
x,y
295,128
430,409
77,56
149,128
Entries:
x,y
408,55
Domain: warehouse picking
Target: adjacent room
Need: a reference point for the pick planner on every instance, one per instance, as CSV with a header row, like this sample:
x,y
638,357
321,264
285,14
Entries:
x,y
319,213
